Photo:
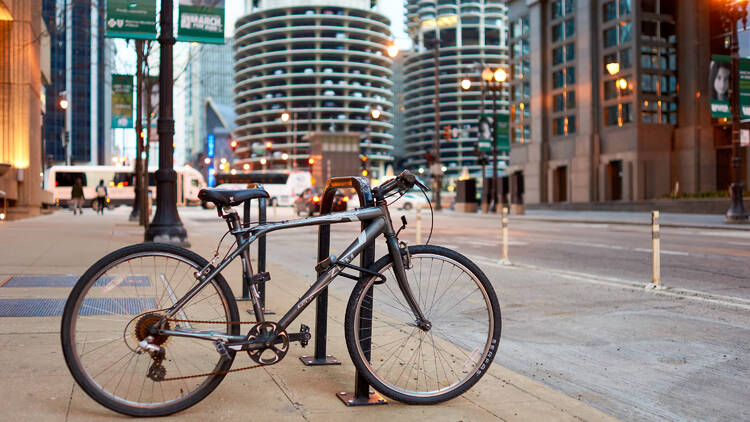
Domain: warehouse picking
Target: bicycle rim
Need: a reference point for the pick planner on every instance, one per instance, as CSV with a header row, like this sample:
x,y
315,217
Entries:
x,y
107,322
410,364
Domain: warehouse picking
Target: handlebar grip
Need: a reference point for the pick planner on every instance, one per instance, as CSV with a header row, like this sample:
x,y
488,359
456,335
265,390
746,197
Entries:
x,y
411,179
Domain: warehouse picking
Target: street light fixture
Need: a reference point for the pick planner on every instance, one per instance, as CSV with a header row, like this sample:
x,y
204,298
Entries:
x,y
392,50
466,84
63,103
734,11
285,116
613,68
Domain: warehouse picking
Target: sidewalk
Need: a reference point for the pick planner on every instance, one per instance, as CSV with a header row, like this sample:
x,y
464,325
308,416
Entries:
x,y
36,384
694,221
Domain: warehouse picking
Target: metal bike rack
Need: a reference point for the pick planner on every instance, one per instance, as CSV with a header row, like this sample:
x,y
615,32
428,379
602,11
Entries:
x,y
362,394
261,250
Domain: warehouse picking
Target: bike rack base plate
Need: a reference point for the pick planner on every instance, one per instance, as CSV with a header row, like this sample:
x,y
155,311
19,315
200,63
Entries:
x,y
350,399
313,361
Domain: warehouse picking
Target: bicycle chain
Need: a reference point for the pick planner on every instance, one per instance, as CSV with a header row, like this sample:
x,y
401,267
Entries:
x,y
217,372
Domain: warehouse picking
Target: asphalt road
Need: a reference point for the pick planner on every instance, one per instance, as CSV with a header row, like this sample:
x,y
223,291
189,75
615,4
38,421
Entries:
x,y
577,318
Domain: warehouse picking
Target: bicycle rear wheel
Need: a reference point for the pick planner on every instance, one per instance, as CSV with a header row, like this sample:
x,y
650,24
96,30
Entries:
x,y
111,309
414,366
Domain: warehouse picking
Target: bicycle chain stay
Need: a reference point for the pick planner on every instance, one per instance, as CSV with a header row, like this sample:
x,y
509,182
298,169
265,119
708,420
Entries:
x,y
195,321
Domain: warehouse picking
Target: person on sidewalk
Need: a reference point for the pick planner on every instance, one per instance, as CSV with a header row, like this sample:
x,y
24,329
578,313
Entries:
x,y
76,196
101,196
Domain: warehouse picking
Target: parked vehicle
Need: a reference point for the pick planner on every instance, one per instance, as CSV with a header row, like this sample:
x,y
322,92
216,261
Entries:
x,y
308,202
120,182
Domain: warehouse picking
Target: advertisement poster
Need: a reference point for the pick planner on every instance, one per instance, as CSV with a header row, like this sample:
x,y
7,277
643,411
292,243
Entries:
x,y
744,88
720,80
135,19
122,101
502,134
201,21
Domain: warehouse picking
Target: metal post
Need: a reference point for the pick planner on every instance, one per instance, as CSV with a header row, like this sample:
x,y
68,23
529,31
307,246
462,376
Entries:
x,y
245,277
294,141
495,187
262,253
321,303
136,211
504,229
436,170
736,212
166,226
655,250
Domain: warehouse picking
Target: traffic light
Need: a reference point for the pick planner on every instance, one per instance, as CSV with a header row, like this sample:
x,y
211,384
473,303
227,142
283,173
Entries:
x,y
429,157
446,132
233,144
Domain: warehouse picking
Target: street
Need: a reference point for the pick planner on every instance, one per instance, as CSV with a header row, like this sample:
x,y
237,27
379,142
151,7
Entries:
x,y
577,318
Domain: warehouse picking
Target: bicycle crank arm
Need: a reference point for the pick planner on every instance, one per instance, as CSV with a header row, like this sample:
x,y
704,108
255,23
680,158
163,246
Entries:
x,y
303,338
204,335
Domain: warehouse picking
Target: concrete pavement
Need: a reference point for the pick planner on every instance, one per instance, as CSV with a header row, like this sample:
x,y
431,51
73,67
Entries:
x,y
36,383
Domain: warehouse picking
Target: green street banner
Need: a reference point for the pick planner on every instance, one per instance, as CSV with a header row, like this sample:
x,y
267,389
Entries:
x,y
720,80
135,19
122,101
201,21
744,88
502,132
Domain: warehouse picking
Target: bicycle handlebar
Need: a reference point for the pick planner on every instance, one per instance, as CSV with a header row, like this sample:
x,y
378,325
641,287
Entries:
x,y
403,182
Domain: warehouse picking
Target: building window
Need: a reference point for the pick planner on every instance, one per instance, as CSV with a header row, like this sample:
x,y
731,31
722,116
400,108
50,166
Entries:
x,y
609,11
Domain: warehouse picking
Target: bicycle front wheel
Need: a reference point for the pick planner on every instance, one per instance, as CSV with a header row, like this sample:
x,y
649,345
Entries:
x,y
112,308
416,366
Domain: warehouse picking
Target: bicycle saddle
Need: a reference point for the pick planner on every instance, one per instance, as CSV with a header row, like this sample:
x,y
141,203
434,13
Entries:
x,y
224,197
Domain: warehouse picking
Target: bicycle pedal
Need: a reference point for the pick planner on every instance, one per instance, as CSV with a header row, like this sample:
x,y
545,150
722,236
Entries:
x,y
305,331
222,349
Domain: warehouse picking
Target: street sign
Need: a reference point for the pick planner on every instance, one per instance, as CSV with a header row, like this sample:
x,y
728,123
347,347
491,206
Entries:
x,y
744,137
484,146
202,23
134,19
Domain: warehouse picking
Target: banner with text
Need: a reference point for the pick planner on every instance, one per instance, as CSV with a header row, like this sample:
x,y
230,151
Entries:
x,y
135,19
502,131
122,101
744,88
201,21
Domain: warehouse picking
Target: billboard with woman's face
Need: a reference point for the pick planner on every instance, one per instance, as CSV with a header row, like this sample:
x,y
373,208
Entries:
x,y
720,79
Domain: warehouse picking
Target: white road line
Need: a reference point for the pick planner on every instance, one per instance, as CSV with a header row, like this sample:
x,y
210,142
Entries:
x,y
663,251
725,233
496,244
591,245
723,300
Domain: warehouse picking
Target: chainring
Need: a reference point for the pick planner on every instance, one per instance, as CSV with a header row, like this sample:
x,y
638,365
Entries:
x,y
268,333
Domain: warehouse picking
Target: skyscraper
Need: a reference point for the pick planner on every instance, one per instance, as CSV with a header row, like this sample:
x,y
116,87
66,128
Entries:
x,y
81,70
473,35
325,64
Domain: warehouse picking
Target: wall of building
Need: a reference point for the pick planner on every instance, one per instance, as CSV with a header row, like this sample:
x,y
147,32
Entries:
x,y
20,117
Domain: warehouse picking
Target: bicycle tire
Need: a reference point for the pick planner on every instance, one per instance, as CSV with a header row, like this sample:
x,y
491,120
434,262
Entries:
x,y
80,315
375,352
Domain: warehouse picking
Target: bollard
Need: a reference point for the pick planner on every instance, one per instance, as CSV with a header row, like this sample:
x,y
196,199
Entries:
x,y
418,240
504,230
655,249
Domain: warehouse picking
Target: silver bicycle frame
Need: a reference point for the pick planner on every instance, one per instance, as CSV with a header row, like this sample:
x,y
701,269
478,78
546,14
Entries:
x,y
380,223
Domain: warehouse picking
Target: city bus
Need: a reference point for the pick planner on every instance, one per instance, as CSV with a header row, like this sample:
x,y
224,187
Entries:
x,y
282,186
120,183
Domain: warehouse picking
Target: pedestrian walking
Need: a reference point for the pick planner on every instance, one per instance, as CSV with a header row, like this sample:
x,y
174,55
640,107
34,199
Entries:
x,y
76,196
101,196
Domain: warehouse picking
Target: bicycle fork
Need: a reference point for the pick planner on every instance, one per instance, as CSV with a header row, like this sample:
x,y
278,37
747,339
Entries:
x,y
403,284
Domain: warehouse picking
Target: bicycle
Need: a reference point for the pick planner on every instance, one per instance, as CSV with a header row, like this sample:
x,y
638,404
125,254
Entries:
x,y
152,329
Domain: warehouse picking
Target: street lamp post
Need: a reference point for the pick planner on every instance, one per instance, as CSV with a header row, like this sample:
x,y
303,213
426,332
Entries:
x,y
64,104
494,80
285,116
735,10
166,226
